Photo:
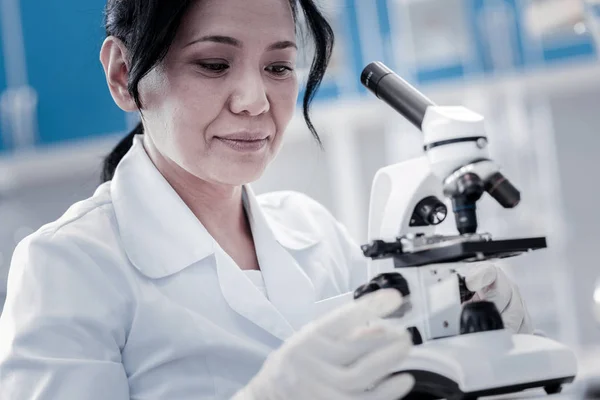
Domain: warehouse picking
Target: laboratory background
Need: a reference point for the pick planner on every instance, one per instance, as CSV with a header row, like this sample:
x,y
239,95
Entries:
x,y
531,67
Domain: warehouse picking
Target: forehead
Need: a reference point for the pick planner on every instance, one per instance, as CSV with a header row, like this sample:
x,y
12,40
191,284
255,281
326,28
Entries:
x,y
242,18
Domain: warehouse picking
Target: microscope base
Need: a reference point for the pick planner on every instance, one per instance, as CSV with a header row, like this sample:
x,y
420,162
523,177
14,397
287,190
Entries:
x,y
482,364
448,389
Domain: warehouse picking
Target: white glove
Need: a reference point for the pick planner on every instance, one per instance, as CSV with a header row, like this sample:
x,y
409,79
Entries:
x,y
348,354
490,283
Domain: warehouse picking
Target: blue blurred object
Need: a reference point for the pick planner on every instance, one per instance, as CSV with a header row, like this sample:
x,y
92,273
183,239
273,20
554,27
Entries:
x,y
329,90
496,28
351,35
567,45
62,50
385,30
2,89
568,50
346,31
436,74
592,13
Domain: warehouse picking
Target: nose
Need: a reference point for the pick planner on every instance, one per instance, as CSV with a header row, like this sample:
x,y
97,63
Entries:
x,y
249,95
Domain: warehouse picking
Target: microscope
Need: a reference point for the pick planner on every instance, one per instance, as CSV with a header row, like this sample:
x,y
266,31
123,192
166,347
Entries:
x,y
462,350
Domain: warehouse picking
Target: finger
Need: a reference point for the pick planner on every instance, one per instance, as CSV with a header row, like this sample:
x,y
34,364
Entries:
x,y
526,325
320,388
347,350
512,317
370,307
473,299
500,292
321,383
515,316
480,276
507,298
375,366
394,387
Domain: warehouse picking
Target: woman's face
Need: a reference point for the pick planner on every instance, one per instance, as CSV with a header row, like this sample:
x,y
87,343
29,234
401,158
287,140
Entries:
x,y
218,105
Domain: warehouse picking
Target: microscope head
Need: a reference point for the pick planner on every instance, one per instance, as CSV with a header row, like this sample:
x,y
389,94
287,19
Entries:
x,y
455,144
457,149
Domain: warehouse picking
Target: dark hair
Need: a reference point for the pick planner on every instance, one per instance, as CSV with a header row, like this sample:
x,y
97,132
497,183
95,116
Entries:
x,y
147,29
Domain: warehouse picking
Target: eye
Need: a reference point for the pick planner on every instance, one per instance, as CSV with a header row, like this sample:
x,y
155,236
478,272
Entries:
x,y
279,70
214,68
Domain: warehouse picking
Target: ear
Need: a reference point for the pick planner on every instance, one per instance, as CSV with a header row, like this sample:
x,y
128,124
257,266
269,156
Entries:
x,y
113,57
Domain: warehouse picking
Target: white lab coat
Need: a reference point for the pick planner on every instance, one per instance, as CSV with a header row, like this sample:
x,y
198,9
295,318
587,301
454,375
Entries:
x,y
127,296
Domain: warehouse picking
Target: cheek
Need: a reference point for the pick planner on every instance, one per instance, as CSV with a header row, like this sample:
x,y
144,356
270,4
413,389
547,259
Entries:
x,y
195,103
180,107
283,103
152,89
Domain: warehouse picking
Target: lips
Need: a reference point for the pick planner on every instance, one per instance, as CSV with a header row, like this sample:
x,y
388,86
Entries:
x,y
244,142
245,136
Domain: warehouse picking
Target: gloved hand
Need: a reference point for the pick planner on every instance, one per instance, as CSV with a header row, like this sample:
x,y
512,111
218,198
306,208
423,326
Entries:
x,y
490,283
348,354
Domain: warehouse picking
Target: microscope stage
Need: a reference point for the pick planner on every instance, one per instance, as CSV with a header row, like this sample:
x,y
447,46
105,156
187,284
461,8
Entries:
x,y
468,251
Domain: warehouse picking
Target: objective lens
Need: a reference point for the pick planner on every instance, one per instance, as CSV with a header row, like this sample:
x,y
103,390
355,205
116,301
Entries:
x,y
465,214
502,190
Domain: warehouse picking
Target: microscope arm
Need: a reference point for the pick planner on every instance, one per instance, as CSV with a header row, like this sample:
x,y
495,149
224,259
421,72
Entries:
x,y
396,191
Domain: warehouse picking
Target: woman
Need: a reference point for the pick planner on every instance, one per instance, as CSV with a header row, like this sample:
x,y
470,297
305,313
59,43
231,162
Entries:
x,y
174,281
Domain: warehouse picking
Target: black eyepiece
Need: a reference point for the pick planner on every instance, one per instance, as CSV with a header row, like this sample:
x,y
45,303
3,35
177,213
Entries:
x,y
396,92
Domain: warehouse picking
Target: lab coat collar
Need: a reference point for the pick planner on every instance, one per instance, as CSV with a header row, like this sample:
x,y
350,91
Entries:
x,y
161,235
291,295
289,289
288,237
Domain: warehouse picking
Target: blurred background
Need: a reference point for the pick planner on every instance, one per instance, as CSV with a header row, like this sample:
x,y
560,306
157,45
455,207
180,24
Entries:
x,y
531,67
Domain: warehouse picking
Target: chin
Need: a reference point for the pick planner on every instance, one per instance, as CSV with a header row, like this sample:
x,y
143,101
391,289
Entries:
x,y
237,175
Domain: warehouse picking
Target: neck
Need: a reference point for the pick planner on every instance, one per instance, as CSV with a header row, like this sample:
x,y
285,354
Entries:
x,y
218,206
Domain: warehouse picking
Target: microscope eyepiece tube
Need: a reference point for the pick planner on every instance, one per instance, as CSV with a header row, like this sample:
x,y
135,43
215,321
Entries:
x,y
396,92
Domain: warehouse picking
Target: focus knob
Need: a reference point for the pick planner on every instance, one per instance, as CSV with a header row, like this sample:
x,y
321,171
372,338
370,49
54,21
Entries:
x,y
387,281
429,211
384,281
480,316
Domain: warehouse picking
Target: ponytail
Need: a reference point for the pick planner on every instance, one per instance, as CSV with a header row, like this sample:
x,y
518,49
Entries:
x,y
112,160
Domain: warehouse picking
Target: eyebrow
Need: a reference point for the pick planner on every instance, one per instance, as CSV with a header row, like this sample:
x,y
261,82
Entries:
x,y
283,44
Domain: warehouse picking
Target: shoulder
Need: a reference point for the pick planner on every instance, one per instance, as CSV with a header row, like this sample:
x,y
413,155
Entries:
x,y
93,212
70,272
85,230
